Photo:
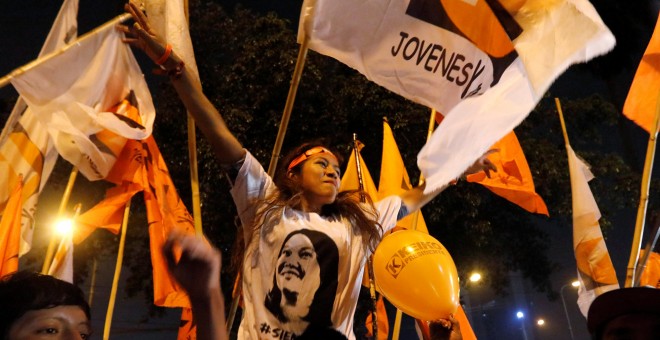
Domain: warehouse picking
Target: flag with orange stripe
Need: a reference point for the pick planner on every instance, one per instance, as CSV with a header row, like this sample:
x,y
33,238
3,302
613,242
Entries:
x,y
25,146
642,102
485,64
72,102
594,266
10,230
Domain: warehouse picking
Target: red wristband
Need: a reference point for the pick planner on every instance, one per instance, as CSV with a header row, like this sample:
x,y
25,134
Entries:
x,y
165,56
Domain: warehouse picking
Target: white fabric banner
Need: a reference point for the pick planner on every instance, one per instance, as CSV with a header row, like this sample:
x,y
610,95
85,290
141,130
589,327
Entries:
x,y
484,72
71,93
168,19
30,151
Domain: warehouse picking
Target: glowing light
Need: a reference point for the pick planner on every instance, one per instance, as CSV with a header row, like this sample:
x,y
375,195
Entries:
x,y
540,322
475,277
64,227
520,315
575,283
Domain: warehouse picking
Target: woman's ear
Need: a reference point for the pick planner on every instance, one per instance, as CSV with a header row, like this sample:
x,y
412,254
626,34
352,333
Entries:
x,y
290,174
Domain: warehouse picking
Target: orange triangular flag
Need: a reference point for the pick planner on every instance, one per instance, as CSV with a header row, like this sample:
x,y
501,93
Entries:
x,y
513,179
642,102
394,179
350,180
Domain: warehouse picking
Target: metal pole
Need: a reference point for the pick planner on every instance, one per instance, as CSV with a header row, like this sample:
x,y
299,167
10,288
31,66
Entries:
x,y
561,292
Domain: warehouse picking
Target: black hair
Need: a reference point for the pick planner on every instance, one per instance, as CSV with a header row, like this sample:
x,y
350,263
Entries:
x,y
25,291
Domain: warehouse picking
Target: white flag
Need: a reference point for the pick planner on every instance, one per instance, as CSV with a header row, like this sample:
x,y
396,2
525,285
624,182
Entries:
x,y
168,19
594,266
481,65
25,146
72,93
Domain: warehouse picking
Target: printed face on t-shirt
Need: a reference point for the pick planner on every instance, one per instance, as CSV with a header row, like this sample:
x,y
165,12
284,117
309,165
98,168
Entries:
x,y
304,282
298,273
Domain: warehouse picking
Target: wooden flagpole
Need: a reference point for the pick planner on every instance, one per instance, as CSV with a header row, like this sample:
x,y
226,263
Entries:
x,y
192,157
288,106
115,280
643,199
284,123
399,314
62,249
63,203
4,81
370,265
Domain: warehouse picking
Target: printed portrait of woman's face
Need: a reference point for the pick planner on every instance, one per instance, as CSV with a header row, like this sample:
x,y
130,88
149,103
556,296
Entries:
x,y
298,276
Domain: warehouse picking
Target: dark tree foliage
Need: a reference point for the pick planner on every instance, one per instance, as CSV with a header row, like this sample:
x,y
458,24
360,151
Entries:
x,y
246,60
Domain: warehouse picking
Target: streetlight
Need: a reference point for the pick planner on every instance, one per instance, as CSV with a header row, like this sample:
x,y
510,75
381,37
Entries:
x,y
540,322
473,279
521,316
64,227
574,284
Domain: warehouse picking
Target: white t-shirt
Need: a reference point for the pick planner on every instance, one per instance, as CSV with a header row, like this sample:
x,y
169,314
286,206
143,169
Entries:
x,y
302,268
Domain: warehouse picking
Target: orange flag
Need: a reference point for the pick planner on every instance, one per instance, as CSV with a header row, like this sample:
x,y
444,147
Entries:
x,y
513,179
393,181
141,167
394,178
350,180
10,230
651,274
642,101
381,319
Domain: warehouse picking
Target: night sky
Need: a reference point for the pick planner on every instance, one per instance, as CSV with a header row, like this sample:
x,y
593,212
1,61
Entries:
x,y
25,24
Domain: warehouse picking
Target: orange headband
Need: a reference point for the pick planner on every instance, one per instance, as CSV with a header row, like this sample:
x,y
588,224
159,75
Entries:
x,y
307,154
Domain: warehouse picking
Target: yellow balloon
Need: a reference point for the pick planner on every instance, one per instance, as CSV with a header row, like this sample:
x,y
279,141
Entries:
x,y
417,275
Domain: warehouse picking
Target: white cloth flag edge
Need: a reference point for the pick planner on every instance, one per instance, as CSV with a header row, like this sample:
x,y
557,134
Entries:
x,y
440,168
38,82
584,206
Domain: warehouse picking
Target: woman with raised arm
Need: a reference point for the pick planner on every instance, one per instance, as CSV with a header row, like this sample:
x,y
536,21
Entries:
x,y
306,244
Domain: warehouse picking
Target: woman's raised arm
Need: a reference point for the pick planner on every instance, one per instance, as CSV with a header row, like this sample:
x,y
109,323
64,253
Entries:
x,y
227,148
